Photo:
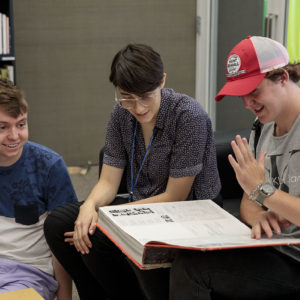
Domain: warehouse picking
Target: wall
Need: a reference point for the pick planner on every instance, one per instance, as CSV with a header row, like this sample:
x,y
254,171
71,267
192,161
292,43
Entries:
x,y
63,53
237,20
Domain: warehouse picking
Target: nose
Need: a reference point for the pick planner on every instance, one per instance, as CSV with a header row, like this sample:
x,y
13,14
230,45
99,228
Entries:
x,y
13,133
139,108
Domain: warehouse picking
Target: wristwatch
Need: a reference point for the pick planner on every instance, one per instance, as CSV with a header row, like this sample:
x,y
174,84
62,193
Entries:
x,y
263,191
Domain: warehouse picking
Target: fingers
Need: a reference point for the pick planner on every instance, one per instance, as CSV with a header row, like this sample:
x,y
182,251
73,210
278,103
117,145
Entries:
x,y
81,239
233,163
69,237
241,150
93,226
237,151
69,234
85,225
267,223
256,232
70,241
262,226
273,224
261,160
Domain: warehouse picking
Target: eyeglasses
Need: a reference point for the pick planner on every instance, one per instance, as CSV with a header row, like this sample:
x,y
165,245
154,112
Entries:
x,y
129,101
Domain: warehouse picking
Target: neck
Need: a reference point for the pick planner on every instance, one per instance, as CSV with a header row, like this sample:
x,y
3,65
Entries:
x,y
10,162
147,132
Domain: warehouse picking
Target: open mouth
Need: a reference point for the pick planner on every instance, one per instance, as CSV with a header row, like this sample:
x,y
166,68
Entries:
x,y
142,115
258,110
11,146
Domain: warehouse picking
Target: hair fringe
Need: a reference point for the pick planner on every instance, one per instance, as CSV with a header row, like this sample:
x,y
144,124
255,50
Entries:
x,y
292,68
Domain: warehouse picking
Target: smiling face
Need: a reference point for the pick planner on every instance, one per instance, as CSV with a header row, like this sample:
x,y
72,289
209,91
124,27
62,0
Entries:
x,y
145,107
13,136
266,101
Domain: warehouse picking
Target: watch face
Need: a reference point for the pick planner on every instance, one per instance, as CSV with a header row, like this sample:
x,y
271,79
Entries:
x,y
267,188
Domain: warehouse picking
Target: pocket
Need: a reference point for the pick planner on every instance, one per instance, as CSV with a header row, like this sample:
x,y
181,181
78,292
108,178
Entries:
x,y
26,214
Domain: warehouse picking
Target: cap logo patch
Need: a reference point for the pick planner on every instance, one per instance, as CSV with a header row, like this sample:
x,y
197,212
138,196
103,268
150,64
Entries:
x,y
233,66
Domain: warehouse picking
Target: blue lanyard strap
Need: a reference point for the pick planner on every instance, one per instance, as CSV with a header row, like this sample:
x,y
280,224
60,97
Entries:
x,y
132,182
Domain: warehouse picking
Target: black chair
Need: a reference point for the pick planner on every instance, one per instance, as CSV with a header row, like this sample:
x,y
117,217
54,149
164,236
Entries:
x,y
231,191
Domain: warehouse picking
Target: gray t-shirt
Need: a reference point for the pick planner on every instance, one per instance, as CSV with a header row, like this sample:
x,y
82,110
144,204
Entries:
x,y
282,169
183,145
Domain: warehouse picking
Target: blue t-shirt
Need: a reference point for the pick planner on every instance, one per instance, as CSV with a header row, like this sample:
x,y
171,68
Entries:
x,y
36,184
183,145
39,176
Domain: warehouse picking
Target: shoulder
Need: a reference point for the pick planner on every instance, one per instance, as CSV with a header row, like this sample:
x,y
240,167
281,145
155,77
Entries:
x,y
37,152
184,105
35,148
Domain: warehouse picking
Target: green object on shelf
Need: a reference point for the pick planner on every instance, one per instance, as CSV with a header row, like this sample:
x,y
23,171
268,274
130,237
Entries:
x,y
293,34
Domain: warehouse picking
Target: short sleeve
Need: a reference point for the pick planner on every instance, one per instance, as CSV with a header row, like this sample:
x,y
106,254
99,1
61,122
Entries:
x,y
193,129
60,190
115,154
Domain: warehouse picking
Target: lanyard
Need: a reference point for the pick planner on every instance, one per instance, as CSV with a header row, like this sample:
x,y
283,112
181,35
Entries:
x,y
132,182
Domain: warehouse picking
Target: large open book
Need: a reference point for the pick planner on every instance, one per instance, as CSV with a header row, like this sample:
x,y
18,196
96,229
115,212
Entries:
x,y
151,234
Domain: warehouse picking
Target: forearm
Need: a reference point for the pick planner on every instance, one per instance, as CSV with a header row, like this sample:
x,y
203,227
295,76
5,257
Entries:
x,y
249,210
285,205
102,194
177,189
106,189
164,197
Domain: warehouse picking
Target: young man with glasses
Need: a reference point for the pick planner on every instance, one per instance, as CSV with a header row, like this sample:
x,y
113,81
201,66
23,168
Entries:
x,y
165,141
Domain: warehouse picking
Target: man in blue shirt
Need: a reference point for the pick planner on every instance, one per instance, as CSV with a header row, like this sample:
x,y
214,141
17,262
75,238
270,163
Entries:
x,y
33,181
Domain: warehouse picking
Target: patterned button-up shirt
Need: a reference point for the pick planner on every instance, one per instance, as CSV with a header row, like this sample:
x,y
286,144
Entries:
x,y
183,145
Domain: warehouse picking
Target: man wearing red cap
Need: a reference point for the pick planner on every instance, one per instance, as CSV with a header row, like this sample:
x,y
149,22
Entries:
x,y
258,71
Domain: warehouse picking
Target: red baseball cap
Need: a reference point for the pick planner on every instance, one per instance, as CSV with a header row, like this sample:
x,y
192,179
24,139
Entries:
x,y
248,63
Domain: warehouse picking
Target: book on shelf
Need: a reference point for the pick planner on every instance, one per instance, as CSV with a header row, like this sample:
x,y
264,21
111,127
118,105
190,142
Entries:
x,y
4,34
151,234
1,34
3,20
7,35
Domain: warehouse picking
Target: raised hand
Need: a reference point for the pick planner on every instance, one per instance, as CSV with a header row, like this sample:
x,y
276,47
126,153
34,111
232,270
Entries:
x,y
249,172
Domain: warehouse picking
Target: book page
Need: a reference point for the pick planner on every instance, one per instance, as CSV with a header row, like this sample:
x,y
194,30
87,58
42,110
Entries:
x,y
184,223
192,224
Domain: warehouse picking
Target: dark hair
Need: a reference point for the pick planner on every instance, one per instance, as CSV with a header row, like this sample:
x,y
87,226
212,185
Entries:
x,y
12,99
137,68
292,69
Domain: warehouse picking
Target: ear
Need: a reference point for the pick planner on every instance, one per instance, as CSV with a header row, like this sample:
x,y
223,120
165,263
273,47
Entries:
x,y
163,81
285,77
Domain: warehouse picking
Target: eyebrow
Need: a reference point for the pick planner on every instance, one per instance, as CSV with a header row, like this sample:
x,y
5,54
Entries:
x,y
22,120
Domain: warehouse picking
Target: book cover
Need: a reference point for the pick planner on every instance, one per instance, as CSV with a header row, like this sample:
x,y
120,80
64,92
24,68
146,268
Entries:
x,y
151,234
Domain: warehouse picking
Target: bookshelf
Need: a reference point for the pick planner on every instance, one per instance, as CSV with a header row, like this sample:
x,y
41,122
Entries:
x,y
7,53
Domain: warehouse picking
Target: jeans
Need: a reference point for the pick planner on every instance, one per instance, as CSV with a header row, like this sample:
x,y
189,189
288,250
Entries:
x,y
105,272
256,273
